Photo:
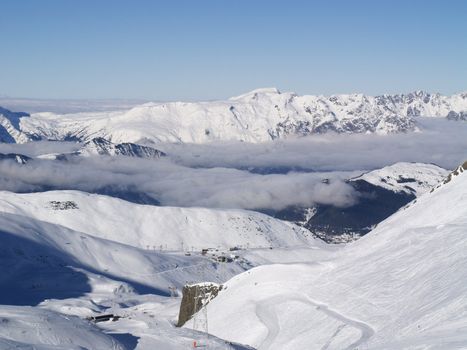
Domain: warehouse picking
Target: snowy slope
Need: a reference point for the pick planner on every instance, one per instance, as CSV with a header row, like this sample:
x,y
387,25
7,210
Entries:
x,y
411,178
44,261
70,272
400,287
257,116
73,273
144,225
38,329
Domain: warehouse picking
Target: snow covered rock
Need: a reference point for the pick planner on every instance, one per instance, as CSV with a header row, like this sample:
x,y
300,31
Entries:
x,y
9,127
100,146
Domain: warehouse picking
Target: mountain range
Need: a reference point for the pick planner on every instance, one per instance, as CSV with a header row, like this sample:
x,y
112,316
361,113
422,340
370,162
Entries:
x,y
75,246
258,116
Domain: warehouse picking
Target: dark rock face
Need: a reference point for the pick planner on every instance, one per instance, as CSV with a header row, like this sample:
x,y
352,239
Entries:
x,y
195,296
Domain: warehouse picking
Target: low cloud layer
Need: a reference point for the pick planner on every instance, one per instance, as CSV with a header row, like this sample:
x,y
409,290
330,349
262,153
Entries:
x,y
31,105
35,149
176,185
441,142
222,175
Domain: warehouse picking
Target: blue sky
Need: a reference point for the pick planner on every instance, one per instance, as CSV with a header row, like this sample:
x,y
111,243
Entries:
x,y
209,49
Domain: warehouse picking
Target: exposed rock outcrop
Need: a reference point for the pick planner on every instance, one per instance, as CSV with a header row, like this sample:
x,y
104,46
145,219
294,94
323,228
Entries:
x,y
195,296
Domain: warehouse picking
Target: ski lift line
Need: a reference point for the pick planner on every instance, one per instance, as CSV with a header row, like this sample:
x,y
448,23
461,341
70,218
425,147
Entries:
x,y
171,270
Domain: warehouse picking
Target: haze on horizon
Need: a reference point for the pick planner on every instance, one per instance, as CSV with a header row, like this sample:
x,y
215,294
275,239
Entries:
x,y
187,50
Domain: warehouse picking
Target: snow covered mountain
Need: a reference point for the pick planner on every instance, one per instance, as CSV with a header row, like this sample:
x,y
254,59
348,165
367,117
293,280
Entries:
x,y
145,226
260,115
400,287
66,253
10,130
65,273
101,147
410,178
381,193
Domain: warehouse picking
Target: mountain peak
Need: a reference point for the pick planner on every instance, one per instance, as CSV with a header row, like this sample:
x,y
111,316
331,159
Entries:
x,y
254,93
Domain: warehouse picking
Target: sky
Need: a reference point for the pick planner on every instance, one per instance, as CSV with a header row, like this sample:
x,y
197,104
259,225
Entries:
x,y
214,49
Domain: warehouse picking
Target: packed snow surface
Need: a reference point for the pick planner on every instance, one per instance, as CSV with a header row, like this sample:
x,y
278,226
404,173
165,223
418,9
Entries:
x,y
403,286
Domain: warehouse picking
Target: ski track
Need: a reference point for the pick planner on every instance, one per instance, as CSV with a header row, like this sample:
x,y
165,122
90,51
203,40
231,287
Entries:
x,y
268,317
266,314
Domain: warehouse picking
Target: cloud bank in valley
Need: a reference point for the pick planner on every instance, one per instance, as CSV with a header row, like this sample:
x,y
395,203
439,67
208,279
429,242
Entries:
x,y
31,105
176,185
222,175
441,142
38,148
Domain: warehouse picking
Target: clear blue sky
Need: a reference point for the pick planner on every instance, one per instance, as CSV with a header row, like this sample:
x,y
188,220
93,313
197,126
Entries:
x,y
208,49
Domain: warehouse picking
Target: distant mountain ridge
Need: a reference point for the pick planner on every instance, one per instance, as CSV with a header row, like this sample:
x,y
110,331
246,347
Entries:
x,y
258,116
381,193
100,146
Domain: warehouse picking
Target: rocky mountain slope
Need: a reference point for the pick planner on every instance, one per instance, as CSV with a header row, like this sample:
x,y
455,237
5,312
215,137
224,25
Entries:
x,y
260,115
10,130
101,147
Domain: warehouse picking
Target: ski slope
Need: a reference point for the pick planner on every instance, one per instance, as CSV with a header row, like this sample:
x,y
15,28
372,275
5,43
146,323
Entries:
x,y
400,287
